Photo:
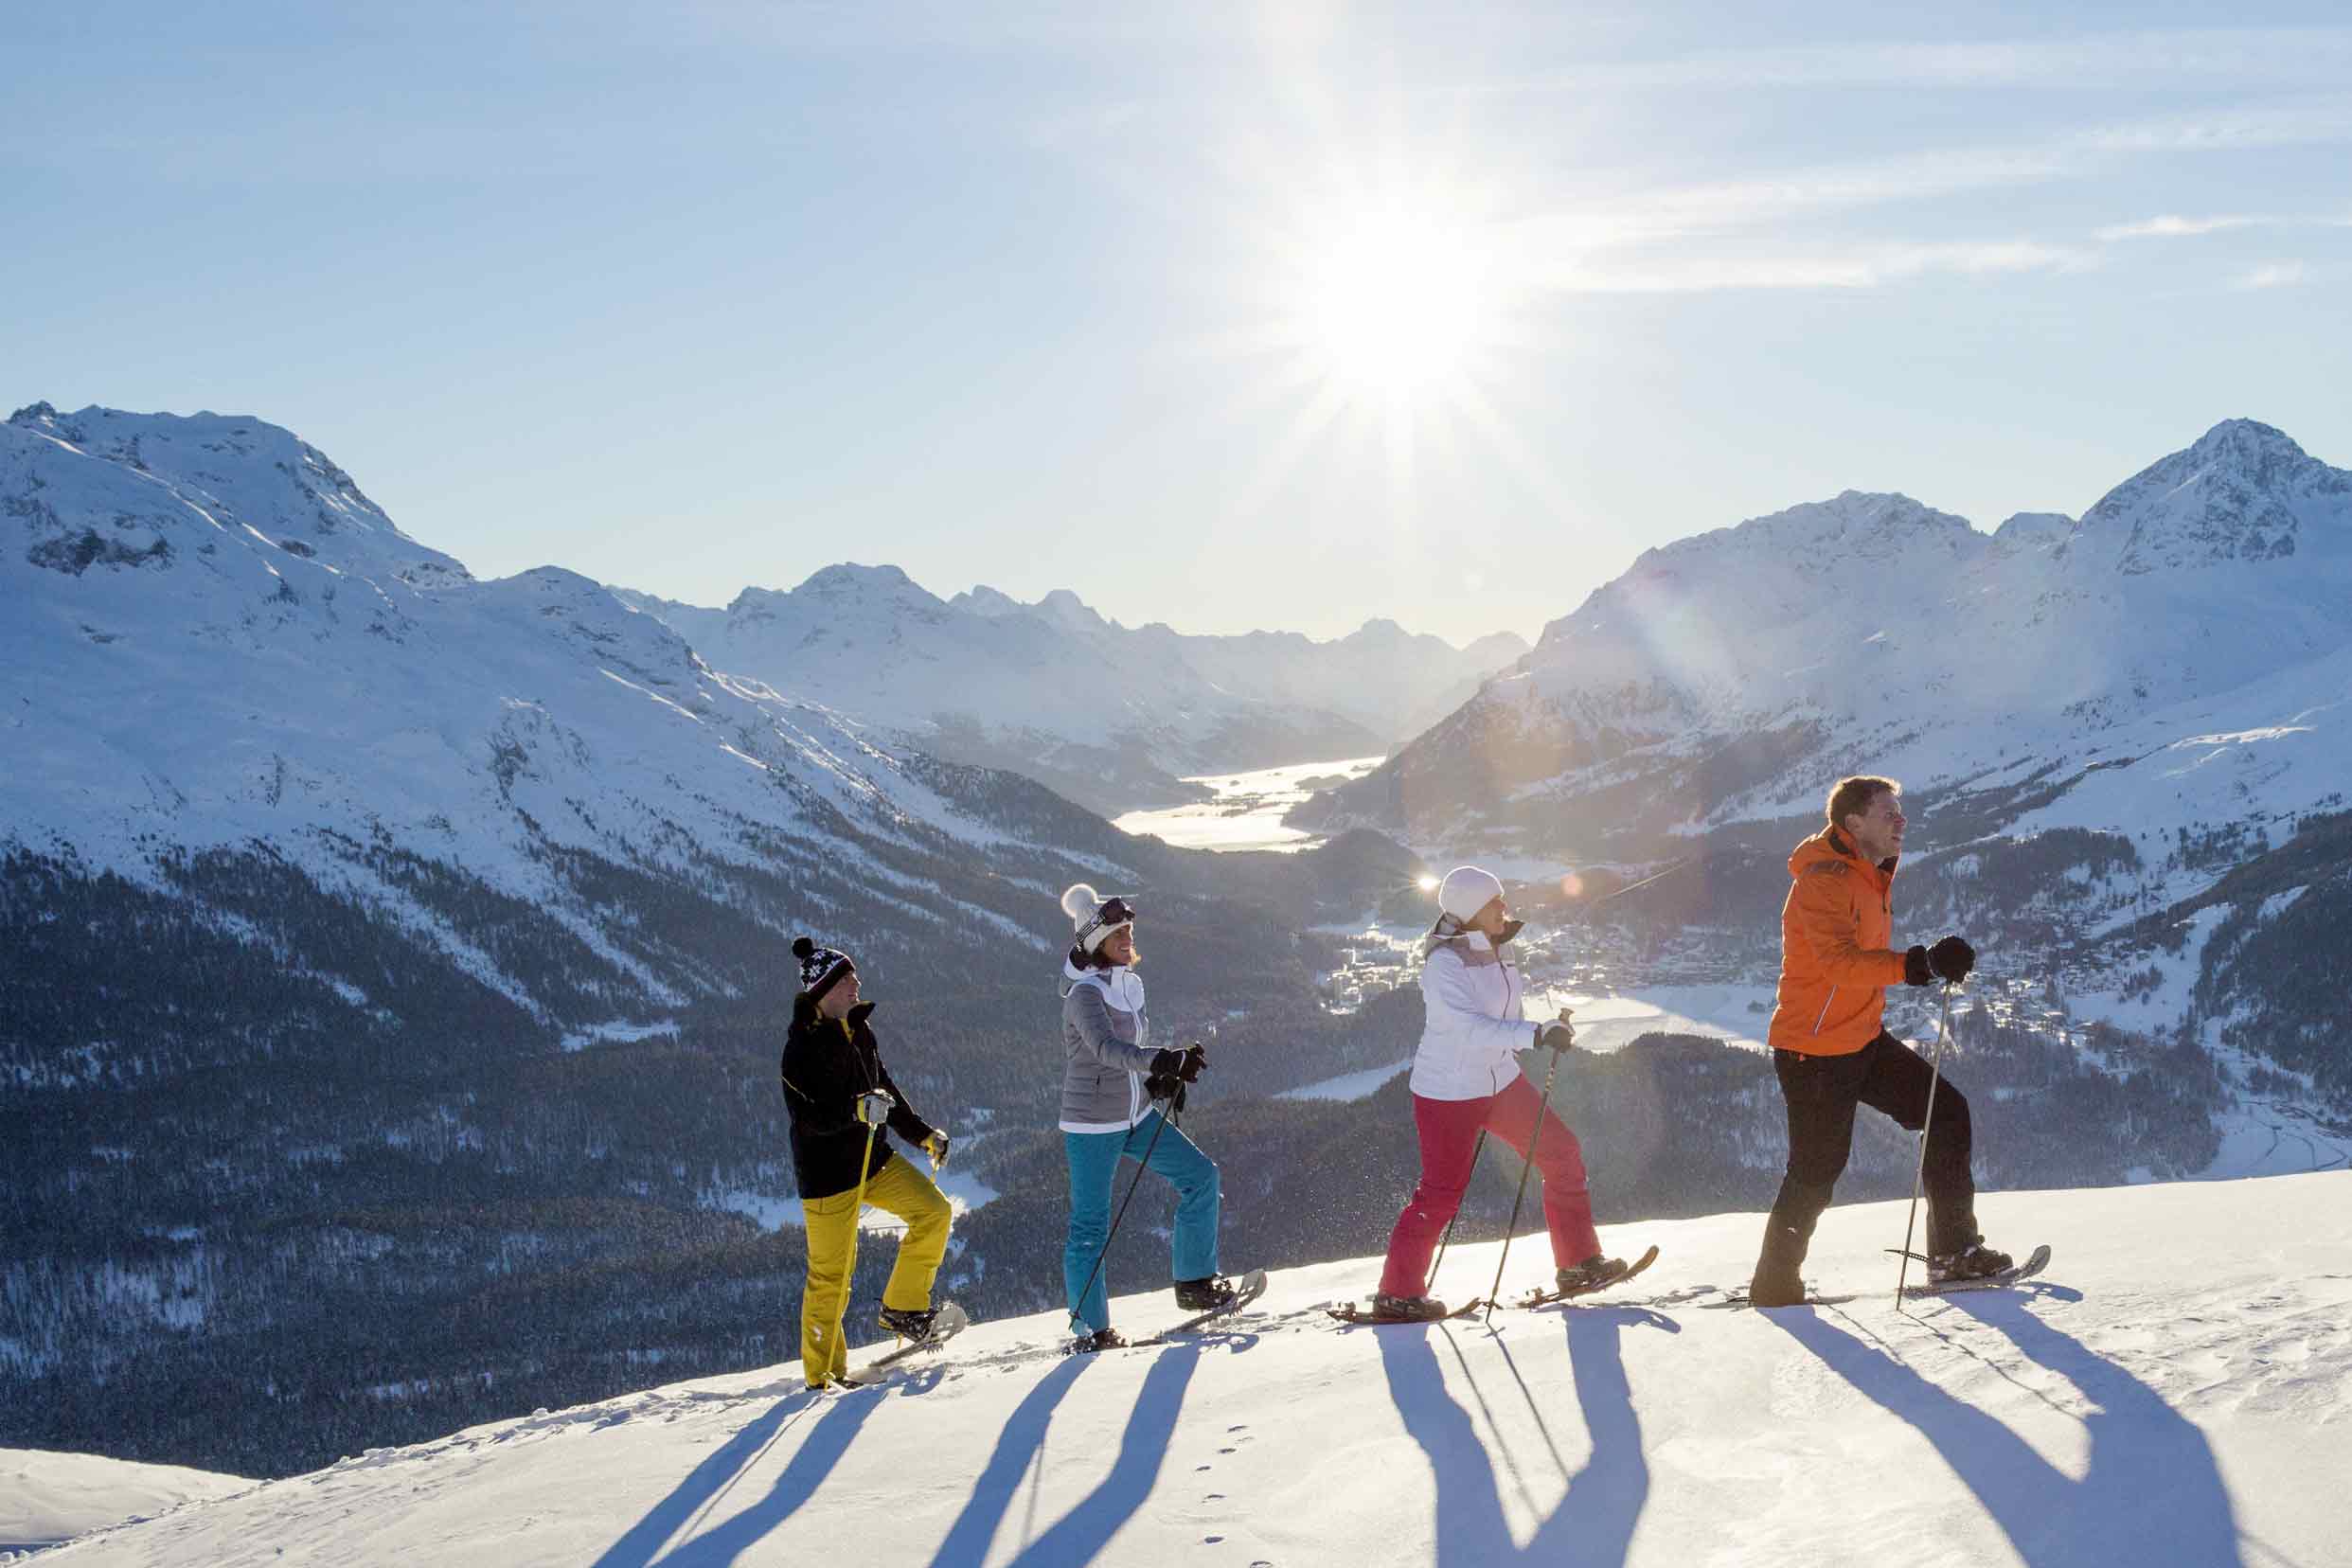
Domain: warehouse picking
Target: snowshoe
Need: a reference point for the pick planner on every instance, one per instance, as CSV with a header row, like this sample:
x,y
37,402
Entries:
x,y
1993,1281
1388,1308
1973,1261
1226,1297
909,1323
1214,1294
1593,1273
1101,1339
945,1322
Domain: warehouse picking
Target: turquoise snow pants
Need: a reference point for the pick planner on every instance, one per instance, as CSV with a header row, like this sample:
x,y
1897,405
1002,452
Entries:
x,y
1095,1159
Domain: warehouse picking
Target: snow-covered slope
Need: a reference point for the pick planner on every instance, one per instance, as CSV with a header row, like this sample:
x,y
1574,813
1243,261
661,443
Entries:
x,y
45,1498
1110,716
213,640
2174,1390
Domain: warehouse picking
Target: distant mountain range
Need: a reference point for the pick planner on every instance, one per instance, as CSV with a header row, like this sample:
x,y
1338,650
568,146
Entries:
x,y
2179,654
1110,716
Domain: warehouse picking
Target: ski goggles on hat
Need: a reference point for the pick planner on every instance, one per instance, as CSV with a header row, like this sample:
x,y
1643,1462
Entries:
x,y
1114,912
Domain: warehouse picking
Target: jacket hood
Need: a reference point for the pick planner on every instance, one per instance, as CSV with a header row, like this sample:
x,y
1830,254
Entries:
x,y
1072,974
1830,845
1447,930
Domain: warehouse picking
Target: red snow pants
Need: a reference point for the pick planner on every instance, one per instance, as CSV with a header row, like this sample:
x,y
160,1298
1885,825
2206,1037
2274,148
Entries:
x,y
1449,1131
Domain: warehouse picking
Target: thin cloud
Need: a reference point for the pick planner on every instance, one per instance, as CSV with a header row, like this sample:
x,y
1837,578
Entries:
x,y
1868,267
2273,275
1763,199
2228,131
2170,226
2215,58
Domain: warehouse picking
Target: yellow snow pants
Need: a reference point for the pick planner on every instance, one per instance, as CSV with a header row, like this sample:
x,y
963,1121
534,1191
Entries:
x,y
897,1188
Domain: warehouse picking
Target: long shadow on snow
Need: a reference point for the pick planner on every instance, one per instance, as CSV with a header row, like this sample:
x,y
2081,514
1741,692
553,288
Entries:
x,y
703,1485
1593,1522
1087,1528
2151,1493
827,1440
1017,1448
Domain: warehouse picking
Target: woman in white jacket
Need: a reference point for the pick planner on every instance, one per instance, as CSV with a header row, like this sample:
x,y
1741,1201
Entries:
x,y
1466,1079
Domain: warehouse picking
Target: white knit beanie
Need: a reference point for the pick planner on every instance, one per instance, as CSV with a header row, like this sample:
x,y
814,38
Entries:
x,y
1467,890
1083,905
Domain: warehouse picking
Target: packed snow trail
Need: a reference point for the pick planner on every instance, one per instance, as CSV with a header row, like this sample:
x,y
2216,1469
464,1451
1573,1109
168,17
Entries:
x,y
2177,1389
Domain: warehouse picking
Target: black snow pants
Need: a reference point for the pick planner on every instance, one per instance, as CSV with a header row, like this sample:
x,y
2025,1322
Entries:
x,y
1821,1092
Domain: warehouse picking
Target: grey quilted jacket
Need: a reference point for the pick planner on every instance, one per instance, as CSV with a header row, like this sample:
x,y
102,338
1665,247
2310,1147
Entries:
x,y
1106,1039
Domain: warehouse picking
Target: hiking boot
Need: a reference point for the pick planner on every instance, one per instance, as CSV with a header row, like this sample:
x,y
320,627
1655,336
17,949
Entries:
x,y
1777,1282
1389,1309
910,1322
1590,1275
1101,1339
1973,1261
1213,1294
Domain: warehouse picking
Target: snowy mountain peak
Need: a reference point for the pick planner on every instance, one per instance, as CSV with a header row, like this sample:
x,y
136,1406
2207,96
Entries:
x,y
1764,570
2244,492
847,578
1066,609
983,600
2247,441
1856,525
2036,530
246,478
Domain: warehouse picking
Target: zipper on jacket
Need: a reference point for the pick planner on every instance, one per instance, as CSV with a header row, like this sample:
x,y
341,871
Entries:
x,y
1825,1010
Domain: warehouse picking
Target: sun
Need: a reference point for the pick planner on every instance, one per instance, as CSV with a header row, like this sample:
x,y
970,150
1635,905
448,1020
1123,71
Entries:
x,y
1380,302
1396,304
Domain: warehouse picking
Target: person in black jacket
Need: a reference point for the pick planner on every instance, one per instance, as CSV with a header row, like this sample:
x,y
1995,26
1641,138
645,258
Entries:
x,y
840,1098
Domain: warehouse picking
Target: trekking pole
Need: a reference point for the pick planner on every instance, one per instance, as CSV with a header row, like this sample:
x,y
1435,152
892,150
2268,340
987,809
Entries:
x,y
1542,1109
1429,1286
1150,1144
1927,1122
849,1278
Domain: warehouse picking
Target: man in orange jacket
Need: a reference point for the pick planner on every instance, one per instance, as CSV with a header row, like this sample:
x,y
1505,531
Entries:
x,y
1831,1054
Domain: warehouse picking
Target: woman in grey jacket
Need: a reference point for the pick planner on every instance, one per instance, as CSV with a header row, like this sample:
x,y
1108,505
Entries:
x,y
1112,1086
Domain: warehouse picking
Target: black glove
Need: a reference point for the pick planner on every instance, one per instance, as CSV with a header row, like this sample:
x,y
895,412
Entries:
x,y
1556,1036
1915,971
1951,959
1185,1064
1162,1086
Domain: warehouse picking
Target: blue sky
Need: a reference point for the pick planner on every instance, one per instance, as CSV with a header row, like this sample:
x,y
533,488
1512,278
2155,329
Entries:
x,y
1228,316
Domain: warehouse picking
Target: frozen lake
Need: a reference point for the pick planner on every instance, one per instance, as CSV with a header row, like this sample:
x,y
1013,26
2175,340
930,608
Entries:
x,y
1247,811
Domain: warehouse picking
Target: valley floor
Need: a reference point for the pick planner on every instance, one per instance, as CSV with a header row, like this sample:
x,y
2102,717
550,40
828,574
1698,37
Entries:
x,y
2176,1390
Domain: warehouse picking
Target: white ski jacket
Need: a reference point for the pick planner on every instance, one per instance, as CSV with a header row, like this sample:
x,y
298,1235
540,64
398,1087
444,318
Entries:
x,y
1472,1030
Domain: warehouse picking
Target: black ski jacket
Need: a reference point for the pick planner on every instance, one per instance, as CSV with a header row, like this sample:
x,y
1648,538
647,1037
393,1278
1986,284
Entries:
x,y
828,1063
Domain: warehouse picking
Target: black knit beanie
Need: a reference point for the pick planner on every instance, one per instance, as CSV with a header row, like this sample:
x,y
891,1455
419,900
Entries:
x,y
820,966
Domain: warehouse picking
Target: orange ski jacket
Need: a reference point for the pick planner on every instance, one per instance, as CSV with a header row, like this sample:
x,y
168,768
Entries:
x,y
1835,961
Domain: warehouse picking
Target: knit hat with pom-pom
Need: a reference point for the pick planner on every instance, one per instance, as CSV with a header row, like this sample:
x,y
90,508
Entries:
x,y
1093,918
820,966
